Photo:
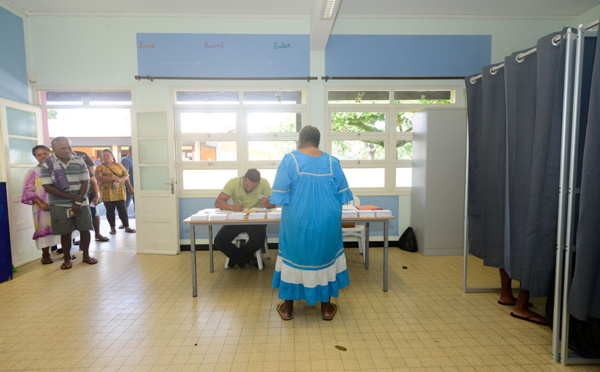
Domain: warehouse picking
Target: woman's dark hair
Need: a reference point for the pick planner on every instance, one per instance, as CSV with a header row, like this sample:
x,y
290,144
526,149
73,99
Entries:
x,y
111,154
253,175
33,150
309,134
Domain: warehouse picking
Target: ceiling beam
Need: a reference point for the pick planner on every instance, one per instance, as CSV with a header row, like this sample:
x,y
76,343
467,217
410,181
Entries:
x,y
320,28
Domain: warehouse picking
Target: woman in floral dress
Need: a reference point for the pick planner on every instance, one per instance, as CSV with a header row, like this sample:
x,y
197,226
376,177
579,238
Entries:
x,y
35,195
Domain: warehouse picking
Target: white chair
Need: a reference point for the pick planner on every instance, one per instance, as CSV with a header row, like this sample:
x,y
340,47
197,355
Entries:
x,y
358,231
245,237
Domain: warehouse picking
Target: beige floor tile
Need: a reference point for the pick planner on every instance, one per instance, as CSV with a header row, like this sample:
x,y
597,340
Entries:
x,y
136,313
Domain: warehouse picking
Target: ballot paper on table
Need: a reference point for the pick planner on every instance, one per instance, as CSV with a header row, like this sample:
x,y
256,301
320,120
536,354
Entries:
x,y
217,217
366,213
383,213
274,215
256,216
236,216
199,217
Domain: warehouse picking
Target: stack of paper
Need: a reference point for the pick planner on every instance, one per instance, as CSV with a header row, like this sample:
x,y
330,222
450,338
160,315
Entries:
x,y
199,217
349,211
236,216
217,217
366,213
256,216
383,213
274,215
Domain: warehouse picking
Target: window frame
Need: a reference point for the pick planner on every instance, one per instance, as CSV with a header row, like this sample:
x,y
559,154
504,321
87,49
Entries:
x,y
242,137
389,136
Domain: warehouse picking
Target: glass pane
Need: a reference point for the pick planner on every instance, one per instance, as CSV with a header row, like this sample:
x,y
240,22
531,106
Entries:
x,y
274,122
209,151
353,122
358,97
208,122
404,121
365,177
17,175
424,96
403,177
269,150
152,124
20,151
153,151
274,97
208,97
404,149
358,150
200,179
154,178
268,174
89,122
21,123
87,98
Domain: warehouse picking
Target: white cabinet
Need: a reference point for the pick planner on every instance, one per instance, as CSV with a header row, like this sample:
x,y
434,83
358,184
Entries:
x,y
438,180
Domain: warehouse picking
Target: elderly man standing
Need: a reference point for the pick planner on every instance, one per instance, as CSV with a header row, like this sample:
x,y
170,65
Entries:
x,y
65,177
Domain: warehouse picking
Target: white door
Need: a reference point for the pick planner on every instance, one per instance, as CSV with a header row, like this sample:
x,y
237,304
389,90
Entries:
x,y
21,130
156,202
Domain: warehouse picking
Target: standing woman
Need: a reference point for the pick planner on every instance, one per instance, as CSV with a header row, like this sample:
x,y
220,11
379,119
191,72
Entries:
x,y
112,177
35,195
311,264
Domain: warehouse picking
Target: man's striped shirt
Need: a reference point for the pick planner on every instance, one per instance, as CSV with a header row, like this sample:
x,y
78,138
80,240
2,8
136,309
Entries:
x,y
76,172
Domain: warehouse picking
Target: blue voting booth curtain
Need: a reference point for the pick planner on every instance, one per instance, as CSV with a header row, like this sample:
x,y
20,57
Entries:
x,y
5,256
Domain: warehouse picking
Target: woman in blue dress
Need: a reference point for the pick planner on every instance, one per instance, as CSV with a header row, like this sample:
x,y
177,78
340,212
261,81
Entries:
x,y
311,265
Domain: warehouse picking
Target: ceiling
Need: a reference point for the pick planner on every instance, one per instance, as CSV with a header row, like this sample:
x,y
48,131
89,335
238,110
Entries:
x,y
312,9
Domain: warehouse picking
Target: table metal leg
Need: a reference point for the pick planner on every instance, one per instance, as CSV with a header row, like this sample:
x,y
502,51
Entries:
x,y
193,249
385,255
366,252
210,249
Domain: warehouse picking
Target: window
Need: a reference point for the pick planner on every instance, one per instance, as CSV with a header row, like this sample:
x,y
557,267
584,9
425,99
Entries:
x,y
93,119
222,133
370,131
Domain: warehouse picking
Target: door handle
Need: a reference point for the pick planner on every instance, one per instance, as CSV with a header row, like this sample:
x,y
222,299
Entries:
x,y
172,184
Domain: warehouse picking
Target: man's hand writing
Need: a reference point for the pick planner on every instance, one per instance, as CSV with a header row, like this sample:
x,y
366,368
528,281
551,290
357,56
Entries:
x,y
237,207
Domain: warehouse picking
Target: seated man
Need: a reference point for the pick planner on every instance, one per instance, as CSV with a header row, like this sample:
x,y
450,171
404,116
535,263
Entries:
x,y
244,193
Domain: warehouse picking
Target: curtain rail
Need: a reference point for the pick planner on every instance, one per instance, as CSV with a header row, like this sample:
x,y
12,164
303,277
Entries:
x,y
590,25
519,58
391,78
152,78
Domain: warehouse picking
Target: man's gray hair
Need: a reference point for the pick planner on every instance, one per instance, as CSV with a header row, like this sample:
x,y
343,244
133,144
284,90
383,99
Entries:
x,y
58,139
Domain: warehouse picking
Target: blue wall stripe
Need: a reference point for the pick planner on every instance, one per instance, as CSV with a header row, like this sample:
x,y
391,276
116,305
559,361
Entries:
x,y
407,55
223,55
13,66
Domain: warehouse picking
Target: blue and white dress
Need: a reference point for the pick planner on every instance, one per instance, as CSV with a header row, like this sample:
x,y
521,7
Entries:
x,y
311,264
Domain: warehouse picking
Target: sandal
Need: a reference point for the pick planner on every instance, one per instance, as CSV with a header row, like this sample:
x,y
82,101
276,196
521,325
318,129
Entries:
x,y
132,231
102,239
90,260
66,265
335,308
47,261
281,315
113,232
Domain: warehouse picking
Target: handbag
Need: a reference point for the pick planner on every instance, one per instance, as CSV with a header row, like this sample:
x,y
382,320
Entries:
x,y
408,241
115,184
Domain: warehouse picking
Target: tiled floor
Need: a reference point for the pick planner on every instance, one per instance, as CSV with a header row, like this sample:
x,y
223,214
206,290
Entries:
x,y
136,312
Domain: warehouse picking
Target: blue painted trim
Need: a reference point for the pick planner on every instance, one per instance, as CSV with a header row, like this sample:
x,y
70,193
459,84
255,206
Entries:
x,y
13,64
407,55
223,55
